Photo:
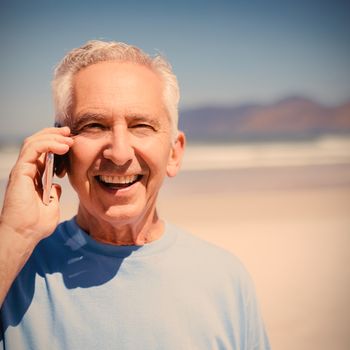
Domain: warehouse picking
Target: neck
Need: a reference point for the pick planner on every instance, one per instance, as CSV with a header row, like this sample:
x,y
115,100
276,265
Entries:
x,y
133,232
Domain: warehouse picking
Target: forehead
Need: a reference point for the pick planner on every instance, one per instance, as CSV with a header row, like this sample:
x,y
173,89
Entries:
x,y
117,86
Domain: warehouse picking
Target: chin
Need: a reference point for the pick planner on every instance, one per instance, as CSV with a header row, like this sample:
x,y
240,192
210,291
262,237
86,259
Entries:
x,y
124,213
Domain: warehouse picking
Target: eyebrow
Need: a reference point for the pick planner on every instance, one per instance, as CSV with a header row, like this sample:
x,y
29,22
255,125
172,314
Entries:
x,y
143,118
84,118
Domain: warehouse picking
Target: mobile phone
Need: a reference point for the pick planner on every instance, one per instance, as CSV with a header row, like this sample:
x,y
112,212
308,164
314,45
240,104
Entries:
x,y
60,161
47,177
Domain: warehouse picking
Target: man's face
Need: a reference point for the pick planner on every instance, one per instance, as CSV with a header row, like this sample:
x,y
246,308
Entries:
x,y
122,149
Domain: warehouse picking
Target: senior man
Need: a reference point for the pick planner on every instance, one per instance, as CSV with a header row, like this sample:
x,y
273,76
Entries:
x,y
115,276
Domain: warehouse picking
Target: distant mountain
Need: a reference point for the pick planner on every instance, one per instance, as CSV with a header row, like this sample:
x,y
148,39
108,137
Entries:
x,y
291,118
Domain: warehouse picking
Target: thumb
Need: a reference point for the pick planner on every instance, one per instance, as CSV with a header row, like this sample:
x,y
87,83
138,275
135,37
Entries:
x,y
51,213
55,193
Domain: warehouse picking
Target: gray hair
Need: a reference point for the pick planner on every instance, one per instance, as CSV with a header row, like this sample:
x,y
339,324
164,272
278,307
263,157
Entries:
x,y
95,51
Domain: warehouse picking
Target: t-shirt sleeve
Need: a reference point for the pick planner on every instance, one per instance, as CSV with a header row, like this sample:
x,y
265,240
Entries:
x,y
256,337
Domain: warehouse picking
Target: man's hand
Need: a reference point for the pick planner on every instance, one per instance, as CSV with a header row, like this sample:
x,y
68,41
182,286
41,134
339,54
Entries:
x,y
25,219
23,209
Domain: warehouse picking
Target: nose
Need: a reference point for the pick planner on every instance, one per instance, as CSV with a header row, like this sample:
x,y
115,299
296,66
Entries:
x,y
119,149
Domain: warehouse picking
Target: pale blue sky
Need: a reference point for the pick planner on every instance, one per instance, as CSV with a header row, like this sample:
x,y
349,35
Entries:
x,y
222,51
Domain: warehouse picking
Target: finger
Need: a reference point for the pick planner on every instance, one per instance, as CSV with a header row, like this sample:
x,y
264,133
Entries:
x,y
33,149
41,164
30,161
60,135
65,130
32,141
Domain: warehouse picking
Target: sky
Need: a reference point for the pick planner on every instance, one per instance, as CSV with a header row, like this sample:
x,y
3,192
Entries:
x,y
223,52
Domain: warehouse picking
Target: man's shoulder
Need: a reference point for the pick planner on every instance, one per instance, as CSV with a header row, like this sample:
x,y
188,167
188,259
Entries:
x,y
205,252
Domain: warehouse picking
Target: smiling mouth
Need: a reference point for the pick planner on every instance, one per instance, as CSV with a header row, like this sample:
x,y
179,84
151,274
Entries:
x,y
117,182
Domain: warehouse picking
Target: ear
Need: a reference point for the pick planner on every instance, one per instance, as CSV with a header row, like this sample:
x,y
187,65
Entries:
x,y
176,154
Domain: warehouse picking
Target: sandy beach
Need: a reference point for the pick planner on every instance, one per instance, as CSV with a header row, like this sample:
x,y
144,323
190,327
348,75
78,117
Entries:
x,y
290,226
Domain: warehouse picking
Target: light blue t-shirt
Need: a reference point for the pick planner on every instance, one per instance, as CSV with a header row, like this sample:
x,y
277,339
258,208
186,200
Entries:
x,y
175,293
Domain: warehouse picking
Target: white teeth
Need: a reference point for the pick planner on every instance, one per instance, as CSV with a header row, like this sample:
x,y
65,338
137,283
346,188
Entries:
x,y
118,179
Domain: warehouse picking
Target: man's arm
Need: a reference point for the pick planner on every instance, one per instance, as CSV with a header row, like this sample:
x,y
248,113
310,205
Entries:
x,y
14,252
25,220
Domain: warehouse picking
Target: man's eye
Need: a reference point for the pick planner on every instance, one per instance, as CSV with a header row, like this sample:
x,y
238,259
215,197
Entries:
x,y
93,126
142,126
